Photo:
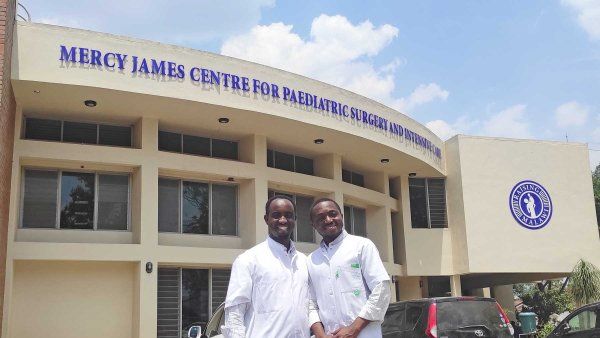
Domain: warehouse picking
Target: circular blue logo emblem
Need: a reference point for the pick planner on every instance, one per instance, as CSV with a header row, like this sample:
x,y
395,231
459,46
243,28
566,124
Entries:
x,y
530,205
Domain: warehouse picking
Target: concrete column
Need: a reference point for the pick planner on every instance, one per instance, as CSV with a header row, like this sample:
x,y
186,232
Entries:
x,y
378,181
253,149
455,287
145,301
406,223
329,166
480,292
379,230
505,297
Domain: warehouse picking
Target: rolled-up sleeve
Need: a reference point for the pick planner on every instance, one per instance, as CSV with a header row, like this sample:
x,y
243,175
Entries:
x,y
378,302
234,321
313,307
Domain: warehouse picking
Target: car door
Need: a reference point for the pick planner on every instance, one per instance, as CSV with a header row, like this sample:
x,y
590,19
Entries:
x,y
585,324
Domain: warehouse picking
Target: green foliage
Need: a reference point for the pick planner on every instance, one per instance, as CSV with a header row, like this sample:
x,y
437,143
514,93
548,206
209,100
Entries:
x,y
544,303
545,330
585,283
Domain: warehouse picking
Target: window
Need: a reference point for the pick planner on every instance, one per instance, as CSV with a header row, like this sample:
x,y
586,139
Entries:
x,y
427,202
355,220
188,297
583,321
197,207
196,145
77,132
304,232
289,162
353,178
75,200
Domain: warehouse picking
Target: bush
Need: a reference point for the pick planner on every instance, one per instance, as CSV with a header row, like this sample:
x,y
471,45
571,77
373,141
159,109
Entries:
x,y
545,330
544,303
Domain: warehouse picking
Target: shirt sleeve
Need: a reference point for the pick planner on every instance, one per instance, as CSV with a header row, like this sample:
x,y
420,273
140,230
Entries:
x,y
378,302
372,267
240,283
234,321
313,306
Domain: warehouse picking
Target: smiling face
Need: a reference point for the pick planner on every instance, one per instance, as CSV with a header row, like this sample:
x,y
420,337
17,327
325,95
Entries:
x,y
281,220
327,219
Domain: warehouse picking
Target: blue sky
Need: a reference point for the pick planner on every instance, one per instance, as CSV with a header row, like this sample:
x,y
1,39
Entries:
x,y
524,69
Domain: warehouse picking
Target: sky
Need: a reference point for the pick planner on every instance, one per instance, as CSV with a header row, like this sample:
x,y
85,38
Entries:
x,y
503,68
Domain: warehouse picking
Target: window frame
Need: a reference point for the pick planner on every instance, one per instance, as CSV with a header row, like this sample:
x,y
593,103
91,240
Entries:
x,y
62,130
295,234
352,174
210,205
59,173
427,206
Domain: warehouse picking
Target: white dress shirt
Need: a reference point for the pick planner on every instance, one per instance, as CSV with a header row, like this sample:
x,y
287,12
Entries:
x,y
268,294
348,280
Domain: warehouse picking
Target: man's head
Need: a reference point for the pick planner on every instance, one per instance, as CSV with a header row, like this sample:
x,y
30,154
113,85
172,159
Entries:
x,y
327,218
280,216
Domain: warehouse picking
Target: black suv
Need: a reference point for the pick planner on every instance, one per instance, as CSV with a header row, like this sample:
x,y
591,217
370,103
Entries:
x,y
451,317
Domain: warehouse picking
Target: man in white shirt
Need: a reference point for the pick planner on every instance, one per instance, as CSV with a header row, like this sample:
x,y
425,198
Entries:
x,y
268,289
350,288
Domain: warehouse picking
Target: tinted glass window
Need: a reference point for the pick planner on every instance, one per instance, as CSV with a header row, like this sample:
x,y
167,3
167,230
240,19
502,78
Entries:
x,y
224,209
113,196
348,219
455,314
220,281
346,176
585,320
195,208
114,136
303,225
169,141
40,129
418,203
77,201
39,200
78,132
194,298
394,320
225,149
437,202
283,161
196,145
358,179
304,165
413,315
168,205
270,158
360,222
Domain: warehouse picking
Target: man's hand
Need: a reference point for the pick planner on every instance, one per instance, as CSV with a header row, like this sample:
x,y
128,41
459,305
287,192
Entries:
x,y
346,332
353,330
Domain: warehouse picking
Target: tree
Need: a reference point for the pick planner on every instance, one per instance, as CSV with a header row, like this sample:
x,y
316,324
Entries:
x,y
585,283
596,185
544,299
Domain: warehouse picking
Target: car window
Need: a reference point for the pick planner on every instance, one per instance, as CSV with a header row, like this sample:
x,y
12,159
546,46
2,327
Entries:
x,y
413,313
213,327
584,320
456,314
394,319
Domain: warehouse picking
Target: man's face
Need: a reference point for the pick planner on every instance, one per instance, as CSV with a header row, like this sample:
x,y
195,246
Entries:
x,y
327,220
281,219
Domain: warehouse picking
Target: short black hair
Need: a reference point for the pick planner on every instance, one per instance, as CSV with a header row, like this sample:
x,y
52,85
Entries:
x,y
278,197
324,199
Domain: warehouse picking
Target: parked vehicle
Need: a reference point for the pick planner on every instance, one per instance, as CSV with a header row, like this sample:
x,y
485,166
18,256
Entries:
x,y
451,317
582,322
213,327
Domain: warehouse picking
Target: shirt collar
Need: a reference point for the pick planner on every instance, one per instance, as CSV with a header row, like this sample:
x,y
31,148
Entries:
x,y
336,241
278,247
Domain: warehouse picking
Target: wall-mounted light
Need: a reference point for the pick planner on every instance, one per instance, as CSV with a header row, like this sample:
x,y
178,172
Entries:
x,y
90,103
223,120
319,141
412,174
36,91
230,179
149,267
385,160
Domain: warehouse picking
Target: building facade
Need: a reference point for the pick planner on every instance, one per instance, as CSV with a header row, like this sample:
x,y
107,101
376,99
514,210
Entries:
x,y
140,172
